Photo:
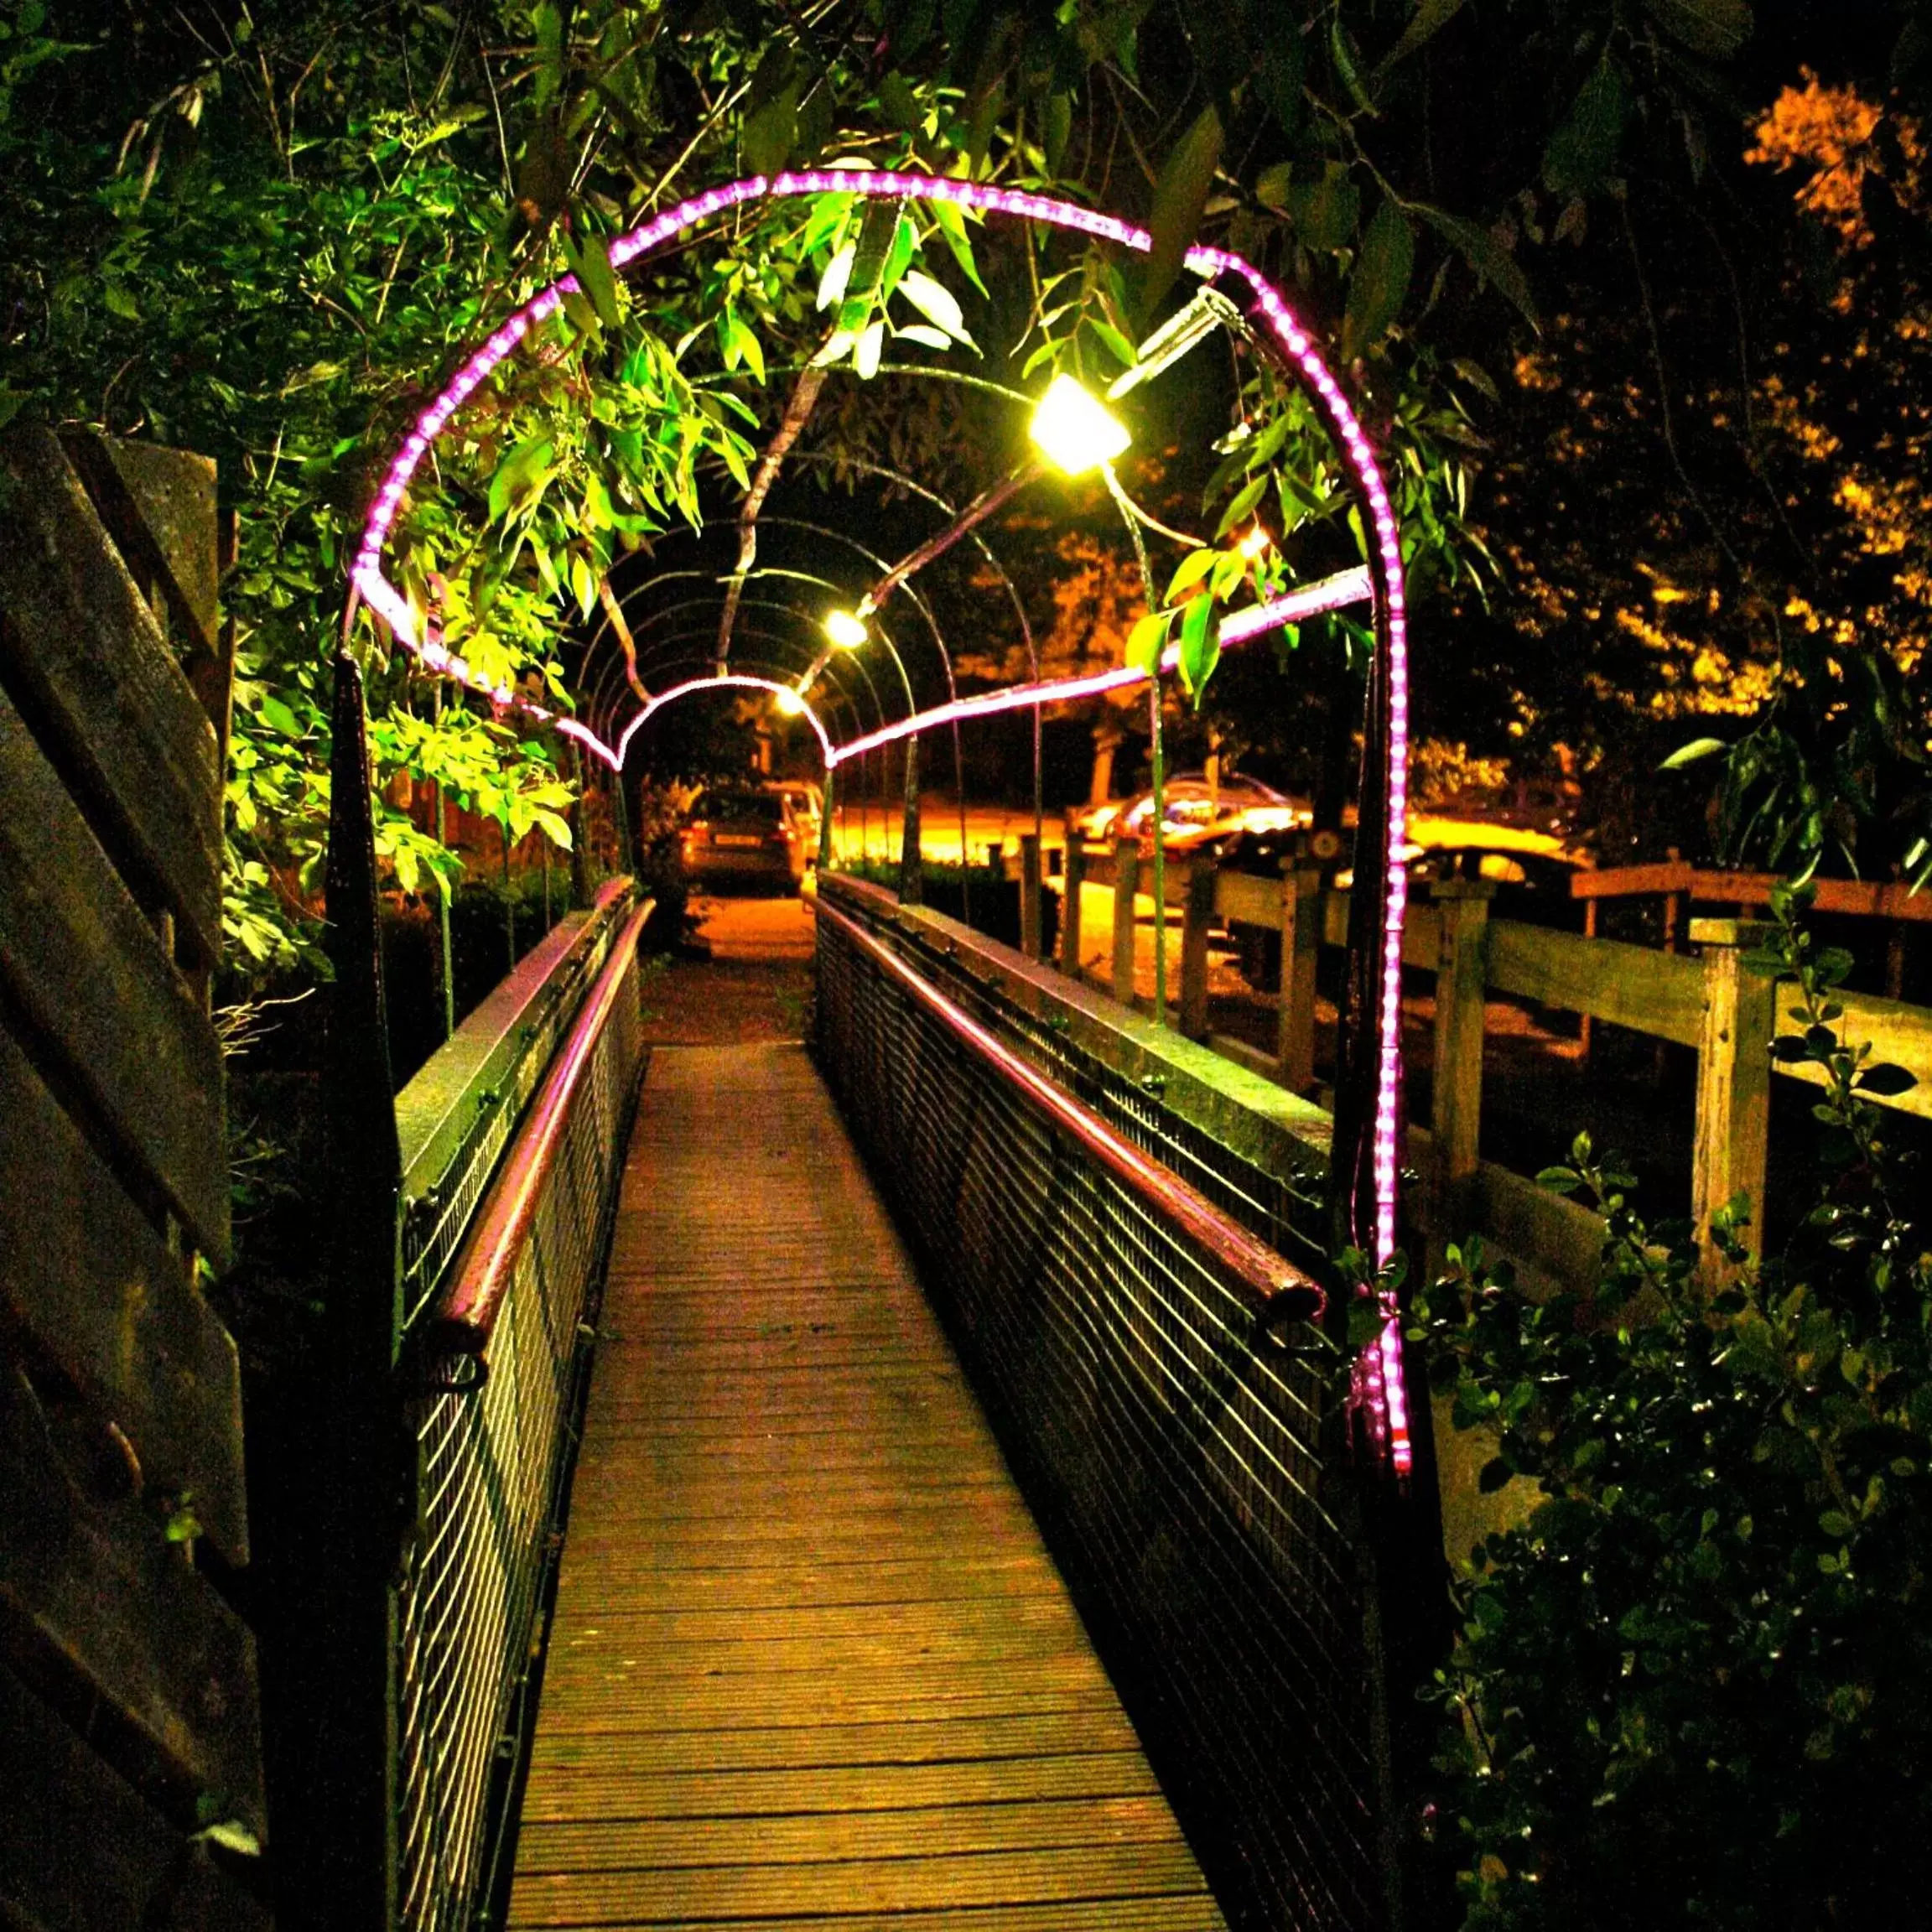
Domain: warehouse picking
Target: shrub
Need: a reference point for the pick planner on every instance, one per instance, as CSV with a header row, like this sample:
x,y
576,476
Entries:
x,y
1693,1685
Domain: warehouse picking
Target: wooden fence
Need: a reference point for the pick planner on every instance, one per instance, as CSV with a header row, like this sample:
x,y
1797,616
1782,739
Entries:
x,y
128,1718
1725,1011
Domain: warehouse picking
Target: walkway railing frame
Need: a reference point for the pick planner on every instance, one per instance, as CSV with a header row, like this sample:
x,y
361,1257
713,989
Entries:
x,y
433,1413
1112,1272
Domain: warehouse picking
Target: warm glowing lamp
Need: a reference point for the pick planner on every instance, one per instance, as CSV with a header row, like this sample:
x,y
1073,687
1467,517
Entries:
x,y
1073,432
844,629
1256,542
789,702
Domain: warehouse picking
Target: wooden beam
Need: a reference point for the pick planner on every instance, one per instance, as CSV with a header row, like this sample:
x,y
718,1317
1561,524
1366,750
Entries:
x,y
1632,986
1462,909
1733,1129
79,1845
88,979
82,657
96,1604
92,1287
1301,949
1900,1036
1029,907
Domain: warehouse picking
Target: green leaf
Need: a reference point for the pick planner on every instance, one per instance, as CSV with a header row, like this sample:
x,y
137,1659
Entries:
x,y
1380,280
1272,185
591,263
1200,645
1886,1080
1480,248
1690,753
1582,152
1429,17
548,23
936,304
1716,28
1147,639
838,273
1180,195
1495,1475
277,715
922,332
871,347
951,222
1560,1180
1324,212
1191,569
771,134
898,103
1280,78
1245,499
898,256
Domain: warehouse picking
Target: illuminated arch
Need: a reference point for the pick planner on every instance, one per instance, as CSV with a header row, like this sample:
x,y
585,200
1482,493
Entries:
x,y
1365,1167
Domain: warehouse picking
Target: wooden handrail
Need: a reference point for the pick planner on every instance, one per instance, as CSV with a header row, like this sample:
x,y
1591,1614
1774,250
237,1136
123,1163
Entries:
x,y
1281,1288
1868,898
488,1263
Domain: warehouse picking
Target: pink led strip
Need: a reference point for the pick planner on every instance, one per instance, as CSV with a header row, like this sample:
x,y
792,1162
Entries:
x,y
1330,594
1381,1367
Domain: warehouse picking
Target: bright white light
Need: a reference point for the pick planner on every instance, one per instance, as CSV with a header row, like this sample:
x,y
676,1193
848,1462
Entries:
x,y
1255,542
844,629
789,702
1073,432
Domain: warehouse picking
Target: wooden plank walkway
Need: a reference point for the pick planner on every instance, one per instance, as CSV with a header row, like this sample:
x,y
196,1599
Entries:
x,y
811,1665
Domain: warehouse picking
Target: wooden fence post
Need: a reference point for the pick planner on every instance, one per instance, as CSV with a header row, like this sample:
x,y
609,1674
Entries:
x,y
1126,888
1300,947
1456,1116
1733,1079
1030,894
1075,876
1196,916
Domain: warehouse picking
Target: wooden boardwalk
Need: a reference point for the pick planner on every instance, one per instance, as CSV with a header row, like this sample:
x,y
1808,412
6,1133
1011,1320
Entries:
x,y
811,1666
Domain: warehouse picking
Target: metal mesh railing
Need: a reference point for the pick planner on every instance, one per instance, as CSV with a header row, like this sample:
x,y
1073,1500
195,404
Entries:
x,y
1176,1454
492,1449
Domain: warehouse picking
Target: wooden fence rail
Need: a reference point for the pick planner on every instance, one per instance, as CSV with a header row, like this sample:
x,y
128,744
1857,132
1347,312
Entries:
x,y
1725,1011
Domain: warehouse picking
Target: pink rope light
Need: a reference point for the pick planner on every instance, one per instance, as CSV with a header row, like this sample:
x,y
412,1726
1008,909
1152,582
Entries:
x,y
1380,1378
712,680
1330,594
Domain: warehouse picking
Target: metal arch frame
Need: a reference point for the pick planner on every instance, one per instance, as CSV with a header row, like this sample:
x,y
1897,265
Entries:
x,y
1368,1128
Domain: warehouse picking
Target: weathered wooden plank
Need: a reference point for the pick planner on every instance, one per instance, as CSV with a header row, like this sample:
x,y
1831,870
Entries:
x,y
87,974
924,1831
953,1578
1062,1876
94,1286
103,1606
587,1793
1184,1913
645,1749
1661,993
158,506
1866,898
82,655
79,1850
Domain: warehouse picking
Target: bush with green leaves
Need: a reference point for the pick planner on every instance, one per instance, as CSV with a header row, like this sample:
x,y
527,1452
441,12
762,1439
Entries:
x,y
1693,1684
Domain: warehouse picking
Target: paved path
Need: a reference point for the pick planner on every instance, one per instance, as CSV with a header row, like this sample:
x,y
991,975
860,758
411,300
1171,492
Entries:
x,y
811,1665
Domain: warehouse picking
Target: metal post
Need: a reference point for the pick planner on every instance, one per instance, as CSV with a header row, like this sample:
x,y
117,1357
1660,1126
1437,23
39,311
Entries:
x,y
1196,916
829,804
1030,894
911,862
1126,889
328,1651
1073,879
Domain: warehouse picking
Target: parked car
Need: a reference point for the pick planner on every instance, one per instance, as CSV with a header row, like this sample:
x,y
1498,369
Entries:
x,y
743,835
1531,871
1195,813
807,806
